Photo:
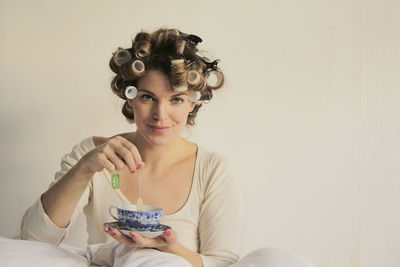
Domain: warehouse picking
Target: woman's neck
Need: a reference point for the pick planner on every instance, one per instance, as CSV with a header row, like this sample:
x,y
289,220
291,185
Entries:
x,y
160,156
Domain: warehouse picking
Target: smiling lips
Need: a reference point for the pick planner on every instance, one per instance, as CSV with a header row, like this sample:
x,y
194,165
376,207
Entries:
x,y
158,129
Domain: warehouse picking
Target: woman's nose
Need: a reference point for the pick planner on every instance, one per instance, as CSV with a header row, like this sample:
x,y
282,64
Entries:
x,y
160,111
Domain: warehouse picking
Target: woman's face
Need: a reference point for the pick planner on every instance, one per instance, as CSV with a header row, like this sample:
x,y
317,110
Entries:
x,y
160,112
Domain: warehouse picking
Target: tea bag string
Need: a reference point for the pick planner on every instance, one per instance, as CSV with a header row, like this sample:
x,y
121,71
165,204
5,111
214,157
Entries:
x,y
139,202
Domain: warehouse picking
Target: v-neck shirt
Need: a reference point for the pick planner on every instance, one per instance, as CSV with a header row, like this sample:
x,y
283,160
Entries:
x,y
208,222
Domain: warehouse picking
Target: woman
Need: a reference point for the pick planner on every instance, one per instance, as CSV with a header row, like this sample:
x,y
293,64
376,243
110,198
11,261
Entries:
x,y
164,80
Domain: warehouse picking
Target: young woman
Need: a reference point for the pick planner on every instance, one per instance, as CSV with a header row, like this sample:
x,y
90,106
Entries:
x,y
164,80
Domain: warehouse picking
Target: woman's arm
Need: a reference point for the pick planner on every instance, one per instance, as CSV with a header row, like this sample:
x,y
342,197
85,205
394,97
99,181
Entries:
x,y
36,224
221,212
59,202
48,218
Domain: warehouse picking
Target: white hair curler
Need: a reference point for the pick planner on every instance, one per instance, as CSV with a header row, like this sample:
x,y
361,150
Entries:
x,y
194,96
130,92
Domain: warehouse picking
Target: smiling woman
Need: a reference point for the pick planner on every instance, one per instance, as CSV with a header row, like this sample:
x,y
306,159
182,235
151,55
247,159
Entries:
x,y
174,54
196,193
164,80
160,112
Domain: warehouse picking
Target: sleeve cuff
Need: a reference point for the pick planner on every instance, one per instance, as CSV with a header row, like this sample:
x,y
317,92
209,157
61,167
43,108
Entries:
x,y
37,226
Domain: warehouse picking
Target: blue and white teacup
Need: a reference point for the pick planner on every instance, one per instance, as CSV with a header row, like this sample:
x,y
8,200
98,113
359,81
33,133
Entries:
x,y
128,215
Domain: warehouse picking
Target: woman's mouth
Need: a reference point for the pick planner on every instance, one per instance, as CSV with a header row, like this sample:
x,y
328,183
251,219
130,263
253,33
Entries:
x,y
158,129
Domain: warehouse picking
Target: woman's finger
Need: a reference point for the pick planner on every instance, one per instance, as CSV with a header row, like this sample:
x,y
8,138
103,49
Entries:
x,y
157,242
140,240
127,157
135,153
169,236
127,152
115,159
120,237
105,163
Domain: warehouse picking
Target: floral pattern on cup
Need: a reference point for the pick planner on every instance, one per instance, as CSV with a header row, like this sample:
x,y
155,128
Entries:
x,y
128,215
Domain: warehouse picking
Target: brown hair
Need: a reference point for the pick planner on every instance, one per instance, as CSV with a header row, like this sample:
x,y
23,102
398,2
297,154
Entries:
x,y
156,51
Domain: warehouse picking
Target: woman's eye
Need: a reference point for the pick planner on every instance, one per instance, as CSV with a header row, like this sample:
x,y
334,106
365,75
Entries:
x,y
146,98
177,100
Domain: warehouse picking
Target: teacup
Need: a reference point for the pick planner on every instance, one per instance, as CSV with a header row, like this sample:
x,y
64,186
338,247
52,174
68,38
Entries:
x,y
128,215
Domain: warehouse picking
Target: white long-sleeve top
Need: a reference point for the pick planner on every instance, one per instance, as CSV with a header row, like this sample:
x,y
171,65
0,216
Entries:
x,y
208,223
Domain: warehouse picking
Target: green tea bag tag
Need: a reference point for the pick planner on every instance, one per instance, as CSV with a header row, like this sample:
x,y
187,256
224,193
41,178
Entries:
x,y
115,181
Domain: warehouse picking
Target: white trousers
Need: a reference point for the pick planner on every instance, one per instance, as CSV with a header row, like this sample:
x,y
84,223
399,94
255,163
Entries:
x,y
38,254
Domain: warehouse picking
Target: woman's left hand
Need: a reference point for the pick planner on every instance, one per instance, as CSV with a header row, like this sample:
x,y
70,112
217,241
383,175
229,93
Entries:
x,y
137,240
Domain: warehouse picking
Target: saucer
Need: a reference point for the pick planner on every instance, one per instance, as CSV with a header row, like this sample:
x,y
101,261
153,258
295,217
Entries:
x,y
150,232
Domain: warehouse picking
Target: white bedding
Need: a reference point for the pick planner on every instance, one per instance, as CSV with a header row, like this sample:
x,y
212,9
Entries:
x,y
22,253
38,254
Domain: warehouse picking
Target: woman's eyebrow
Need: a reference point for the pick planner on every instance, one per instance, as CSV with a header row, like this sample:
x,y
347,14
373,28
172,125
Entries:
x,y
179,94
151,93
147,91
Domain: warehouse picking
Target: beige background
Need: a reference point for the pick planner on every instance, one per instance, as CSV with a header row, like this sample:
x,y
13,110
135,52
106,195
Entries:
x,y
310,113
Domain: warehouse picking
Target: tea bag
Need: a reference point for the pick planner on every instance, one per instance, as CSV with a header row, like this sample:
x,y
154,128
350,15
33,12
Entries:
x,y
115,181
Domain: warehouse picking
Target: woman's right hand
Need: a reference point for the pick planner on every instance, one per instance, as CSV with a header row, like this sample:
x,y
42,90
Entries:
x,y
114,154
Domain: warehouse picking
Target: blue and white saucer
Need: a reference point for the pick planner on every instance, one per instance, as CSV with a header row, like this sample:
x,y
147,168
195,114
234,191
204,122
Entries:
x,y
150,232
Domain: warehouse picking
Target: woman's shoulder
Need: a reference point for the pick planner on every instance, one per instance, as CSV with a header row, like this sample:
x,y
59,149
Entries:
x,y
215,170
210,156
211,161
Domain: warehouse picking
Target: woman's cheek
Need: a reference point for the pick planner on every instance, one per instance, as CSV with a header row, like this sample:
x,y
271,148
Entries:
x,y
139,113
181,116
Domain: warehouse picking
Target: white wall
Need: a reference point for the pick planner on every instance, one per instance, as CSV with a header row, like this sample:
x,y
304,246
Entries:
x,y
310,113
